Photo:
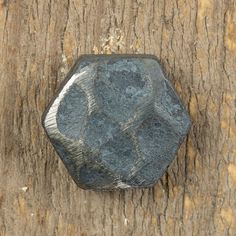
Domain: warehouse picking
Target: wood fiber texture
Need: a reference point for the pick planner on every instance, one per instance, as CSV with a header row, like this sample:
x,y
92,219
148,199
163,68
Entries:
x,y
195,41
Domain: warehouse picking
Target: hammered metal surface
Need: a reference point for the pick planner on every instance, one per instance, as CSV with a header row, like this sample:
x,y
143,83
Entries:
x,y
116,122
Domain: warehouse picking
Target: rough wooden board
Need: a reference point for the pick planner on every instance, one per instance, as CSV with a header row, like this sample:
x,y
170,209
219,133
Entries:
x,y
196,43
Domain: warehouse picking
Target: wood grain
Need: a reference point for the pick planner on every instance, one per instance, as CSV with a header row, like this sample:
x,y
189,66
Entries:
x,y
196,43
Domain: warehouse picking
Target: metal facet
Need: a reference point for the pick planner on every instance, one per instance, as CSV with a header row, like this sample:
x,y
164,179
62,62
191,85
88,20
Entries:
x,y
116,122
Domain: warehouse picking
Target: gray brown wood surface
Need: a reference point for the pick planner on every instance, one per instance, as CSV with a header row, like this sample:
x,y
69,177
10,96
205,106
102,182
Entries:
x,y
196,43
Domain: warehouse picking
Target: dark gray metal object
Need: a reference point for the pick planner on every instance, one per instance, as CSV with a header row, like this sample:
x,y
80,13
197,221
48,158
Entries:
x,y
116,122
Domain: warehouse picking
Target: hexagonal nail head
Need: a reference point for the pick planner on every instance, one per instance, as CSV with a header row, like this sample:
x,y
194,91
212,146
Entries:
x,y
116,122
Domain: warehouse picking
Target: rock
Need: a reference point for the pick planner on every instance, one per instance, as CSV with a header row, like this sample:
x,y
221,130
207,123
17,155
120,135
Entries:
x,y
116,122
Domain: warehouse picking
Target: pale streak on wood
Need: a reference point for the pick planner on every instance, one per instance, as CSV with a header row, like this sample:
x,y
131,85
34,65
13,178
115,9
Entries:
x,y
196,45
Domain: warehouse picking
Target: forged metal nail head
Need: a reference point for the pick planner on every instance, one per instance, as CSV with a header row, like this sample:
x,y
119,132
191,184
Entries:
x,y
116,122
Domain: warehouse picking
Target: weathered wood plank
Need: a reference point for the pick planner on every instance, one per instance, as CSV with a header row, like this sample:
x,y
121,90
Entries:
x,y
196,43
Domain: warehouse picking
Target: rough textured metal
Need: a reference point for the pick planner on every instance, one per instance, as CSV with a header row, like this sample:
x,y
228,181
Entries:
x,y
116,122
